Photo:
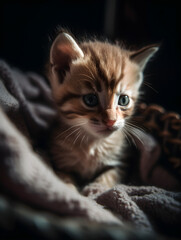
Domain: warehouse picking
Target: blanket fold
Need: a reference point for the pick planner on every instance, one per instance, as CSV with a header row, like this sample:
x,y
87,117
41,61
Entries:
x,y
27,114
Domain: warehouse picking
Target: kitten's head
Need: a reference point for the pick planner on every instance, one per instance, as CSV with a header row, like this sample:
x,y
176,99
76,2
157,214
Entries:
x,y
96,84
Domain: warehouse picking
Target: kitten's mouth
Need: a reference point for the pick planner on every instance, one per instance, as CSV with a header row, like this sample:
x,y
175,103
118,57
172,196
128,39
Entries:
x,y
102,130
106,130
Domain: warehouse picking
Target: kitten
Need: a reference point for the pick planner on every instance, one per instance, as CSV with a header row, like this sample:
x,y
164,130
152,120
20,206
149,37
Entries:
x,y
95,86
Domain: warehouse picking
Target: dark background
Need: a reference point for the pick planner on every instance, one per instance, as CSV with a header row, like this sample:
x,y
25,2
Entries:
x,y
26,26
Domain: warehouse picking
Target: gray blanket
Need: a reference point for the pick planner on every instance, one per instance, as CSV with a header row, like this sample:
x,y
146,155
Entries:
x,y
27,115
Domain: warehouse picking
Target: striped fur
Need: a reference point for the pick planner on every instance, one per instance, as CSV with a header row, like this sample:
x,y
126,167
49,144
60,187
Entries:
x,y
84,143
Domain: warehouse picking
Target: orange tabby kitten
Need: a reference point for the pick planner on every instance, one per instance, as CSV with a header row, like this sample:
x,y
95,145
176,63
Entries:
x,y
95,86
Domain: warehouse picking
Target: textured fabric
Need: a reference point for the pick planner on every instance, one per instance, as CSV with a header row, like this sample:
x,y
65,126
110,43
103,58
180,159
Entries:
x,y
26,117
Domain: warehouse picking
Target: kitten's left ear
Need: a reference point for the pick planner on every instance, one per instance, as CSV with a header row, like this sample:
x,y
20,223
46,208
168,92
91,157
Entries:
x,y
63,51
142,56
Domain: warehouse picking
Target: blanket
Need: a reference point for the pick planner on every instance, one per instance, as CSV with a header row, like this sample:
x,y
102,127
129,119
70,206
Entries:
x,y
27,114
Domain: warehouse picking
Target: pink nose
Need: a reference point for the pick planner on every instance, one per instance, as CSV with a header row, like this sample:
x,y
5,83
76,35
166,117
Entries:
x,y
110,123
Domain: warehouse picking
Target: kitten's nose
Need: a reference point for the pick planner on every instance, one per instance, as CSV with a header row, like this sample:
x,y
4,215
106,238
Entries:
x,y
109,117
110,123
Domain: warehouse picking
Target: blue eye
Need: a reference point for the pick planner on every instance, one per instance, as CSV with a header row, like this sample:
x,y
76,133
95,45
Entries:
x,y
123,100
91,100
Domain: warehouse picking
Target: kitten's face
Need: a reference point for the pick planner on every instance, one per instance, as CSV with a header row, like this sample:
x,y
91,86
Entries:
x,y
100,105
99,91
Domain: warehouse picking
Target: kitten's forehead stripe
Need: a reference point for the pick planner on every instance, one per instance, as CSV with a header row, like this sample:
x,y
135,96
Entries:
x,y
98,86
90,85
112,84
100,70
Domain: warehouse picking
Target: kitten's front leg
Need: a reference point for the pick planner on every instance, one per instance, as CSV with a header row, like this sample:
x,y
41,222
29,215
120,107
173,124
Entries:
x,y
110,178
104,182
67,178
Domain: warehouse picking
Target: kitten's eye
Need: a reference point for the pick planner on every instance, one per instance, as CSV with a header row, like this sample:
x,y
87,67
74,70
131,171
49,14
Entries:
x,y
91,100
123,100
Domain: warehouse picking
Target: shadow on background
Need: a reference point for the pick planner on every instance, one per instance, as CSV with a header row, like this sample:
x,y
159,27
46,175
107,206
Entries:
x,y
26,26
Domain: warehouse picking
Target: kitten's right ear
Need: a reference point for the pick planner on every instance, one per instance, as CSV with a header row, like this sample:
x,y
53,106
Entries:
x,y
142,56
63,51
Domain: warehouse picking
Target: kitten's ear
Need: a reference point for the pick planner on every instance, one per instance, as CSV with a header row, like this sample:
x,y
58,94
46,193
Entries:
x,y
63,51
142,56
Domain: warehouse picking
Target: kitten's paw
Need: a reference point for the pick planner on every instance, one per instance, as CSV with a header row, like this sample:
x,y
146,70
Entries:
x,y
93,189
72,186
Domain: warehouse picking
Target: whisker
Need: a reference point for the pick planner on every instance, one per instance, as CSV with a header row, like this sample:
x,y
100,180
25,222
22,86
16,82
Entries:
x,y
131,124
150,86
135,132
70,134
82,140
61,133
130,136
78,135
126,136
76,132
135,127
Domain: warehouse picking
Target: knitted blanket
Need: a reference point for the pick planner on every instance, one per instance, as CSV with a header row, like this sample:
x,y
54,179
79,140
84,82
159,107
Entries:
x,y
27,115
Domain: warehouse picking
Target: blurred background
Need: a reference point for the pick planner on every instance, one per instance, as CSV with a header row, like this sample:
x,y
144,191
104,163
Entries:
x,y
27,26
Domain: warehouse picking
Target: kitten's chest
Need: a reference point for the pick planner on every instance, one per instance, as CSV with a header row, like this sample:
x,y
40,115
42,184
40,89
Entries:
x,y
86,162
